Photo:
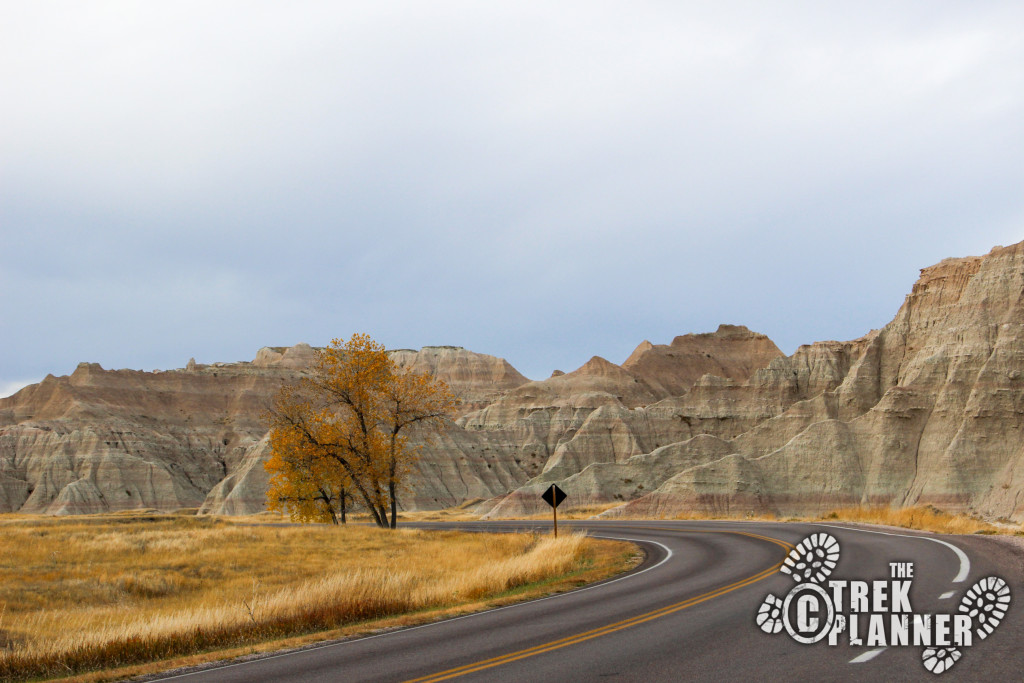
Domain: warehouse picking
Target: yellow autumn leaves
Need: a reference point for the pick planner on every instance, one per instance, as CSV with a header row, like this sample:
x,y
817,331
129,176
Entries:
x,y
340,435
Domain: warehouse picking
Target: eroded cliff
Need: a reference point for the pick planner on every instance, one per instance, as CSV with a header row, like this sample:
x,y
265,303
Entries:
x,y
928,409
101,440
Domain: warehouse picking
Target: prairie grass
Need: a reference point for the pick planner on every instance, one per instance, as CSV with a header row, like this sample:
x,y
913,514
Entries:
x,y
584,511
566,511
923,517
747,517
456,514
78,594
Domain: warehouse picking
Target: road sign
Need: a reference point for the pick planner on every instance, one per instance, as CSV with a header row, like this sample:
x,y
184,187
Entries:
x,y
553,496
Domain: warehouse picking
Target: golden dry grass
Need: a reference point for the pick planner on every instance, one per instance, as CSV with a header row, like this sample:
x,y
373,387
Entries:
x,y
457,514
86,593
923,517
747,517
581,511
566,511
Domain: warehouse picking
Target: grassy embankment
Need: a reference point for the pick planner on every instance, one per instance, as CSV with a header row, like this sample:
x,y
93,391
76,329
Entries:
x,y
464,513
80,594
920,517
923,517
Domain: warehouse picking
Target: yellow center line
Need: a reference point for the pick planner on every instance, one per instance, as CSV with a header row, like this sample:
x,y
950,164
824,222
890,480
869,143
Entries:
x,y
619,625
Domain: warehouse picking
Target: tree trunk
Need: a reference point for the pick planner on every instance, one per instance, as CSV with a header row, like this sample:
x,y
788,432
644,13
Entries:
x,y
380,509
326,500
392,467
343,506
365,495
394,504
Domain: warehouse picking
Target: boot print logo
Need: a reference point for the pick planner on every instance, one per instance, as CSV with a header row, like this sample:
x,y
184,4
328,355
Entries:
x,y
876,614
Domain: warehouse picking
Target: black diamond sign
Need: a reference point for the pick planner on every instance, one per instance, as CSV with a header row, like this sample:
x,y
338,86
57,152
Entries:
x,y
553,496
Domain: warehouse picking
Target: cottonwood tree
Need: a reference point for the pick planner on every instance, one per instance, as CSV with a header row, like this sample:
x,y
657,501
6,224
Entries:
x,y
344,427
310,487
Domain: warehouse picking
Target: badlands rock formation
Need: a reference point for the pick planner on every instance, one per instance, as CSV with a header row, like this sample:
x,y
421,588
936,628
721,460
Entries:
x,y
102,440
475,378
603,412
928,409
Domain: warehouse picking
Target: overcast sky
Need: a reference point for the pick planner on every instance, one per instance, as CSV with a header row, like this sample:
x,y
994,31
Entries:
x,y
539,181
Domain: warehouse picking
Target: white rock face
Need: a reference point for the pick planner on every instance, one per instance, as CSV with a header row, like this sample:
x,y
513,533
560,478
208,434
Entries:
x,y
476,378
102,440
928,409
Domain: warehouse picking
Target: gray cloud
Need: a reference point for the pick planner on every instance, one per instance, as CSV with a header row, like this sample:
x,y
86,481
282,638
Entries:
x,y
542,182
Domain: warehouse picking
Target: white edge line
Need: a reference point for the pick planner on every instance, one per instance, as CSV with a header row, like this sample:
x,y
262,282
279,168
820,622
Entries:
x,y
946,596
436,623
965,563
867,656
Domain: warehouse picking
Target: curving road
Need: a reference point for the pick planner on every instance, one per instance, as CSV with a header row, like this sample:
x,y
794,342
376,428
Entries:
x,y
687,613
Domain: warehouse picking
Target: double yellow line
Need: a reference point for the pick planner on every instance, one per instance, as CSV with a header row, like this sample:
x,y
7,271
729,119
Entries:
x,y
619,625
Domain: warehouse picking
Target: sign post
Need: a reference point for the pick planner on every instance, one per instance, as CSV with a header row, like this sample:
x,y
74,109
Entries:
x,y
553,496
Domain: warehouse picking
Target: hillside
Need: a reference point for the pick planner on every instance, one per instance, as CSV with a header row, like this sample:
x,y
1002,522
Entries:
x,y
927,409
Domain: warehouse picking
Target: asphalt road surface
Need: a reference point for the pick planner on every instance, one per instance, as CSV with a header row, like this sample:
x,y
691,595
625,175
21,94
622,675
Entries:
x,y
686,614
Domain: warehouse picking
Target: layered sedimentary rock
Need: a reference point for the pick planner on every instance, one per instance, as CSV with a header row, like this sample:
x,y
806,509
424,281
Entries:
x,y
929,409
604,412
476,379
732,352
109,440
101,440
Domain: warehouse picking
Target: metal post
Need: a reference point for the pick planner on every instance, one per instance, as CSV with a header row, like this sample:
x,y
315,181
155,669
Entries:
x,y
555,510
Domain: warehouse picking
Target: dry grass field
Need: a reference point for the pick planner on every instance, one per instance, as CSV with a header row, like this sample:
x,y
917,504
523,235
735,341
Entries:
x,y
923,517
94,593
464,513
85,593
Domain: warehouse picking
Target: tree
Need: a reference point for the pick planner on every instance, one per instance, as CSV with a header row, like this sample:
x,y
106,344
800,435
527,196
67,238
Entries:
x,y
344,429
308,486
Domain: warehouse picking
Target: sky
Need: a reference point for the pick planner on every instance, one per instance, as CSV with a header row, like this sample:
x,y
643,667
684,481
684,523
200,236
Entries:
x,y
543,182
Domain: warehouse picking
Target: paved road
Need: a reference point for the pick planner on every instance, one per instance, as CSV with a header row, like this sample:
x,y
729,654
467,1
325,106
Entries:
x,y
686,614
